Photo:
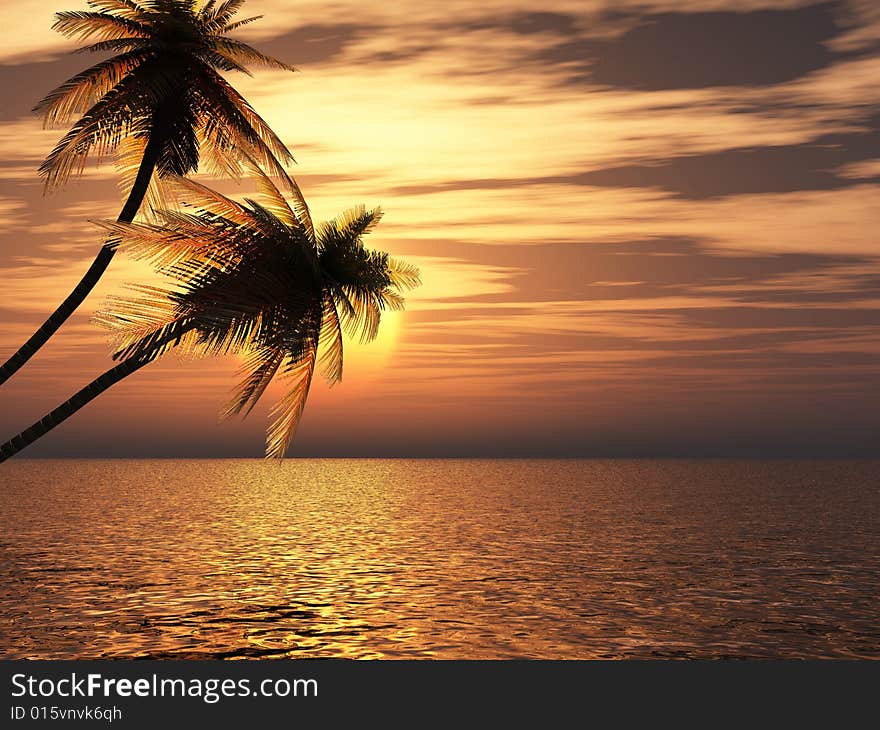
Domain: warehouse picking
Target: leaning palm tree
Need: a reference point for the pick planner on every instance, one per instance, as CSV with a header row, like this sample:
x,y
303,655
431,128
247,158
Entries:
x,y
160,104
254,279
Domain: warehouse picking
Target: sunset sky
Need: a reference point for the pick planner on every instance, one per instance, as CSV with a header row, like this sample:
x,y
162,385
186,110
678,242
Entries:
x,y
643,228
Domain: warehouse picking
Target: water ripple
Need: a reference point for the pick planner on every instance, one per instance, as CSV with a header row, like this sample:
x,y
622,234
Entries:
x,y
446,559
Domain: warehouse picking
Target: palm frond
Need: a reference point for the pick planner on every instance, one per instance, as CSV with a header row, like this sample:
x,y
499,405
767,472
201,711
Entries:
x,y
159,196
157,244
164,81
238,122
246,281
301,209
179,151
393,301
182,246
144,325
257,372
243,53
240,24
194,194
269,225
80,92
206,11
223,61
115,44
348,227
273,200
403,276
83,24
190,316
227,330
295,212
360,314
362,283
221,15
331,349
124,8
126,109
218,154
100,130
287,412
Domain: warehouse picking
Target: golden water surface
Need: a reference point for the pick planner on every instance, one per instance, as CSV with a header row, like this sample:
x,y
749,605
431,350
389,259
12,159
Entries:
x,y
439,558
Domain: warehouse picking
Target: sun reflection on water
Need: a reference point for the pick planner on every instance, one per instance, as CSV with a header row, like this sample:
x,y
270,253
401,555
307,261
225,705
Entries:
x,y
450,559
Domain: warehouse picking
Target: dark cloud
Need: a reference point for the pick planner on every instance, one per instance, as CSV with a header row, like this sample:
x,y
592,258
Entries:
x,y
24,84
429,40
698,50
749,170
859,288
523,23
771,359
315,44
814,165
667,267
401,54
89,195
657,51
543,22
778,318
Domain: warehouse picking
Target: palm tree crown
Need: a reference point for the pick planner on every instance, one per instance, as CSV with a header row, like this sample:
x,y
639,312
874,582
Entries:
x,y
256,278
160,104
163,85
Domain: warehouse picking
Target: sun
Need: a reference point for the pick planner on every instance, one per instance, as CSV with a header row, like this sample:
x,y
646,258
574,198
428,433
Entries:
x,y
367,361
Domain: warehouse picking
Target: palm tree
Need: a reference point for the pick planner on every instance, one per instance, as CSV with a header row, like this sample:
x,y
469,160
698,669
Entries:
x,y
255,279
160,104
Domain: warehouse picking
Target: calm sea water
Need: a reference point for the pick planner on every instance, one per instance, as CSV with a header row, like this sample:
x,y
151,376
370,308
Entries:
x,y
446,559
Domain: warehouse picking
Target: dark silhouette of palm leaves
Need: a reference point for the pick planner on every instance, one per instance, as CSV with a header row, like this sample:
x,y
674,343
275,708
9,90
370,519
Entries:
x,y
164,84
256,278
159,104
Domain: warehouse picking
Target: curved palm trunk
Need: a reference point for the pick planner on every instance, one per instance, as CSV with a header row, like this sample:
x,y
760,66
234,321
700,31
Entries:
x,y
128,366
68,408
96,270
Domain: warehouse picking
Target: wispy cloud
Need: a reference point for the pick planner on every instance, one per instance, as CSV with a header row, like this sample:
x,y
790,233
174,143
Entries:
x,y
627,216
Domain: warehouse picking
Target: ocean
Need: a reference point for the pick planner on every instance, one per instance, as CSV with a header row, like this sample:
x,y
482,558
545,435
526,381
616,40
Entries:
x,y
446,559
